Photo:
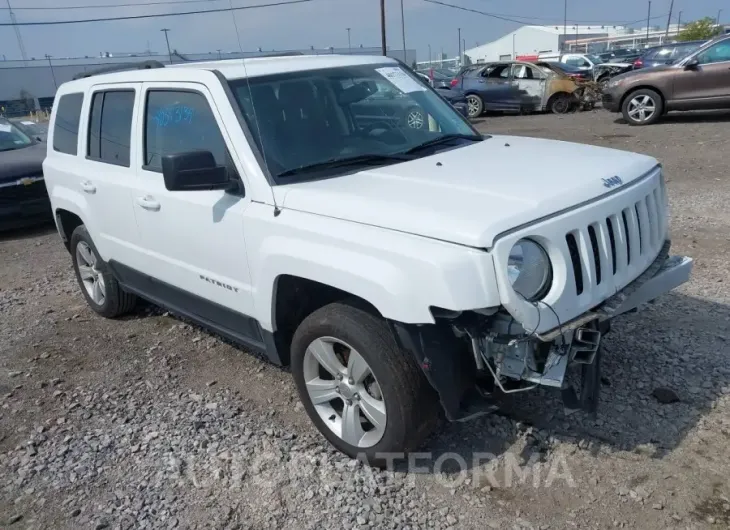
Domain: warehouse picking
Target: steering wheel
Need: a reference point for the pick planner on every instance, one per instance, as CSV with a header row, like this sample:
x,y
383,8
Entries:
x,y
368,129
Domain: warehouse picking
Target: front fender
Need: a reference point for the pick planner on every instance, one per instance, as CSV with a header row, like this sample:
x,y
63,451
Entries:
x,y
401,275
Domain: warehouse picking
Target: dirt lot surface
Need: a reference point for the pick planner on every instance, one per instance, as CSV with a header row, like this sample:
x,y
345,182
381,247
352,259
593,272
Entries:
x,y
148,422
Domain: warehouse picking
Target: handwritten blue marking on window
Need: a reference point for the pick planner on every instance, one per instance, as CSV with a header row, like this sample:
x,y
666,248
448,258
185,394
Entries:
x,y
174,115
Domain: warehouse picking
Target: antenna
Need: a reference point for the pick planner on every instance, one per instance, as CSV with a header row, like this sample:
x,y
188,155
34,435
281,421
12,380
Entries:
x,y
277,210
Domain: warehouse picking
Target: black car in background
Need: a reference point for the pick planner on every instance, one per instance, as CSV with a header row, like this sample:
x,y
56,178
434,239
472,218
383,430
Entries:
x,y
23,196
36,130
666,54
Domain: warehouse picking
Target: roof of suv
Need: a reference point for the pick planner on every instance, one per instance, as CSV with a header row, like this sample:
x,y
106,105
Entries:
x,y
235,68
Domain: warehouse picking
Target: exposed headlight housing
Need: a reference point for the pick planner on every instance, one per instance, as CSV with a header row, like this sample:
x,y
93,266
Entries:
x,y
529,270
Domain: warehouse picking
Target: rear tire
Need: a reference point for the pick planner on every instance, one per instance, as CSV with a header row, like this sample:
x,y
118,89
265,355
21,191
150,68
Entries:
x,y
407,406
101,290
474,105
642,107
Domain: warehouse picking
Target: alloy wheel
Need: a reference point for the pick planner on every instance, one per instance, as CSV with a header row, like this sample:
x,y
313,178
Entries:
x,y
91,277
344,392
641,108
472,104
415,119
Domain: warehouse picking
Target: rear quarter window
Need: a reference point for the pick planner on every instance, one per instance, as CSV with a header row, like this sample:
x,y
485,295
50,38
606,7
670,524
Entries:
x,y
66,126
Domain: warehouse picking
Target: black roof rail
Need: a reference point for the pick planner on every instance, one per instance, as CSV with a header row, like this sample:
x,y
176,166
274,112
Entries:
x,y
144,65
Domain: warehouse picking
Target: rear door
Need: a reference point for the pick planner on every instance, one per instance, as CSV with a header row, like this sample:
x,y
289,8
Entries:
x,y
109,175
530,83
708,84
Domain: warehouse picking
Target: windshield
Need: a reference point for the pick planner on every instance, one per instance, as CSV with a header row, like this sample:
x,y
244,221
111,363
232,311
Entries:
x,y
595,59
367,113
12,138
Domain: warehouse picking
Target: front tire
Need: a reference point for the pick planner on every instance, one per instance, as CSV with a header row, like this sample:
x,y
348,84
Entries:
x,y
101,290
642,107
361,391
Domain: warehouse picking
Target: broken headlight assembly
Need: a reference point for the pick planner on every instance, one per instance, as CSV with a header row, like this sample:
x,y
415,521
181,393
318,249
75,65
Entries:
x,y
529,270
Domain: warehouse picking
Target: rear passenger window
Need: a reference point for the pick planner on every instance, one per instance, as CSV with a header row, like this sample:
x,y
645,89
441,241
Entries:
x,y
110,126
66,127
179,122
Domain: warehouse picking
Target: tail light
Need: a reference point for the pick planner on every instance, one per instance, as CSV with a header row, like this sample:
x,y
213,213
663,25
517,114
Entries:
x,y
638,63
454,82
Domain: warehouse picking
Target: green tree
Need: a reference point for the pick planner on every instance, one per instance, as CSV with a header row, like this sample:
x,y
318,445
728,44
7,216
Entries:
x,y
702,29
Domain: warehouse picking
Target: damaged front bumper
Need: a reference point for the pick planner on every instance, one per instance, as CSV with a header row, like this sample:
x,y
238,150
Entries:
x,y
464,353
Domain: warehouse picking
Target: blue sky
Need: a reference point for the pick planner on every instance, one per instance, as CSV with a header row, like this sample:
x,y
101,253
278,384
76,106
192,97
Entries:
x,y
319,23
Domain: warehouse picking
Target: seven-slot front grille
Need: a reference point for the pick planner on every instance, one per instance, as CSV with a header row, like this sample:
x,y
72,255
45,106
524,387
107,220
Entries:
x,y
603,251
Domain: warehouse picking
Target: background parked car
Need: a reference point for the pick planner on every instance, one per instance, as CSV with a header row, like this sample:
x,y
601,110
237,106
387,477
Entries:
x,y
513,86
437,78
566,70
38,131
699,81
23,196
667,54
389,107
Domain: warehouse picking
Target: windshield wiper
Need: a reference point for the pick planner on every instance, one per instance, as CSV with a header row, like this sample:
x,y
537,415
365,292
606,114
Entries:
x,y
348,161
446,138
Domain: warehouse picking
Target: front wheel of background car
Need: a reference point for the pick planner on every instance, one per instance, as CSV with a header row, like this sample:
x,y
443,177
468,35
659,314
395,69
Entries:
x,y
362,392
415,118
475,105
642,107
560,104
101,290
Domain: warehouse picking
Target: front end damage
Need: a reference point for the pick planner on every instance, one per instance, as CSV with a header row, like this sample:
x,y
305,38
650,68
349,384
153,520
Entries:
x,y
472,357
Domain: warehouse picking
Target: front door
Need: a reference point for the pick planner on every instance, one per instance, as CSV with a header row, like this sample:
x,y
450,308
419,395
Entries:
x,y
193,240
706,84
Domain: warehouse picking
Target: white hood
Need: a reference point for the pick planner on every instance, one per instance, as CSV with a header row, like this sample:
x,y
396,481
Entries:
x,y
471,194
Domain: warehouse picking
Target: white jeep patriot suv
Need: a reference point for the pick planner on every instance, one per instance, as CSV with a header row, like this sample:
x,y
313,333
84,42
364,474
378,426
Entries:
x,y
286,204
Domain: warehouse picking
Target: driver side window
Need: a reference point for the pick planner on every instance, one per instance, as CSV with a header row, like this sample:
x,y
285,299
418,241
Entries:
x,y
718,53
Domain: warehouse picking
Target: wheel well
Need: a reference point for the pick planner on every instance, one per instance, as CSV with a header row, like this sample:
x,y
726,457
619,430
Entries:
x,y
67,223
557,95
296,298
643,87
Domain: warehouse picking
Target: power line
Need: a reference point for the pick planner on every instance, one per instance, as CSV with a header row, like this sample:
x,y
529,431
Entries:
x,y
157,15
100,6
524,19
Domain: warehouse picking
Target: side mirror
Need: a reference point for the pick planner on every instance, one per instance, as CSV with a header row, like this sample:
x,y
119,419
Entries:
x,y
692,64
194,171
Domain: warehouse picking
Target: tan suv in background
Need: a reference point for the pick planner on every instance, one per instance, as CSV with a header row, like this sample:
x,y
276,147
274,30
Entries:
x,y
699,81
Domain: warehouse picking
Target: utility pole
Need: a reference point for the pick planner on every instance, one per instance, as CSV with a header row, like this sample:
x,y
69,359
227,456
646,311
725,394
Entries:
x,y
717,20
403,31
669,19
219,54
565,24
459,56
382,27
14,22
349,43
648,19
429,56
679,22
463,49
53,74
514,57
169,54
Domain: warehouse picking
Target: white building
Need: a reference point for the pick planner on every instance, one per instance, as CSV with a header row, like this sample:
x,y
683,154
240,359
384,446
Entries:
x,y
533,40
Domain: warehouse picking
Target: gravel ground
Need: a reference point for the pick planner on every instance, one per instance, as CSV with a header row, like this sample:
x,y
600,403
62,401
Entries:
x,y
148,422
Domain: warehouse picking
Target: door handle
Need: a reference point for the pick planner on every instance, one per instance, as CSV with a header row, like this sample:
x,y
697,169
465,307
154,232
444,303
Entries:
x,y
88,187
148,203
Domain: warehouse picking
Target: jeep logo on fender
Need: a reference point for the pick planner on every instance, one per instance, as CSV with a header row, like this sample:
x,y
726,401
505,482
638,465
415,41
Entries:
x,y
612,182
219,284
